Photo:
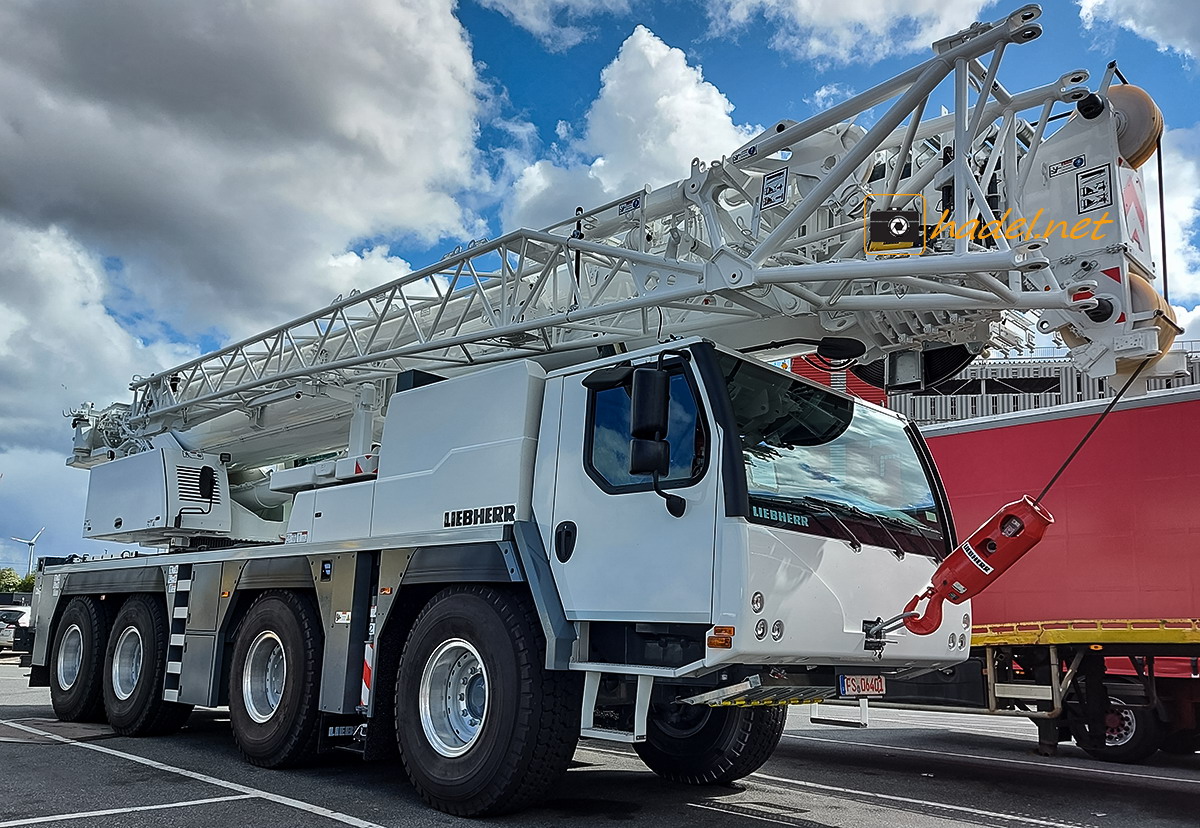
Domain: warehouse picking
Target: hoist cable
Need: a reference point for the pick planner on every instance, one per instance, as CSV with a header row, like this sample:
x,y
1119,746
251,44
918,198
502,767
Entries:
x,y
1108,410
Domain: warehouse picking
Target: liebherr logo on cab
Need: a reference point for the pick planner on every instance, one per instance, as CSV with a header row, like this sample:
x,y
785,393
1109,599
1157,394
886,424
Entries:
x,y
480,516
779,516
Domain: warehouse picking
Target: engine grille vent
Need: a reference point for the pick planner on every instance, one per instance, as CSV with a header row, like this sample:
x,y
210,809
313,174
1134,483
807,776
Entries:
x,y
188,481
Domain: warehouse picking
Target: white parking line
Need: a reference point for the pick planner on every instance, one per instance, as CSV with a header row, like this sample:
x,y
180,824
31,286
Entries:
x,y
112,811
784,783
992,728
976,756
202,777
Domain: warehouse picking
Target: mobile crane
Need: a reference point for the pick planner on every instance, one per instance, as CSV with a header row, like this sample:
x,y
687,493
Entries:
x,y
539,490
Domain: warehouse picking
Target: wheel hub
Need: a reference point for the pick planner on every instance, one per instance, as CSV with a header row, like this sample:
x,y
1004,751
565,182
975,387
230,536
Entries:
x,y
70,657
680,721
127,663
264,676
1119,726
453,697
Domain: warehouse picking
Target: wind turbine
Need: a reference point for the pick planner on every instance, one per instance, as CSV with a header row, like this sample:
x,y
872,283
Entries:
x,y
31,543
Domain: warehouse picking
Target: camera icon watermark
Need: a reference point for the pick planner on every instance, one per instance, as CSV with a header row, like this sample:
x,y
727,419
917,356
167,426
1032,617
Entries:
x,y
899,231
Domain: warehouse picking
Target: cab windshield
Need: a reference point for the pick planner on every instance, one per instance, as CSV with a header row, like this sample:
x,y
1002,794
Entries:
x,y
821,463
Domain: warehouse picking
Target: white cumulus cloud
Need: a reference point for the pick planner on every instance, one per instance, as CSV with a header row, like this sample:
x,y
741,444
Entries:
x,y
176,170
848,31
557,24
1181,196
223,151
1169,23
829,94
59,346
653,115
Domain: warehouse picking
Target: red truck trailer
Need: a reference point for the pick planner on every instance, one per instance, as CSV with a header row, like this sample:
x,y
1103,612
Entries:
x,y
1095,634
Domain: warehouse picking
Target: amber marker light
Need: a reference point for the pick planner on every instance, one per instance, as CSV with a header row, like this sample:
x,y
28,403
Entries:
x,y
721,638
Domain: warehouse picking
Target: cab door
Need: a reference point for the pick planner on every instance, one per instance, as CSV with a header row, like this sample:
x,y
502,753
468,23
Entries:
x,y
617,554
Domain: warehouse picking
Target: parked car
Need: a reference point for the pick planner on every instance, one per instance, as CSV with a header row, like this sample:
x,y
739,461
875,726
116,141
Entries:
x,y
14,627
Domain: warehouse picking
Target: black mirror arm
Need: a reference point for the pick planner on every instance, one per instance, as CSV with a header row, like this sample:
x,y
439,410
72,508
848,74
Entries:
x,y
676,505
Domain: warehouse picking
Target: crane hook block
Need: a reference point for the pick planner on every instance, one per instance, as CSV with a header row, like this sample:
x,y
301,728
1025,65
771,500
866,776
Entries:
x,y
979,560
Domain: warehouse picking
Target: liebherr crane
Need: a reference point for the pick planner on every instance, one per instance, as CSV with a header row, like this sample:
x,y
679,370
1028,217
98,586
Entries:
x,y
539,489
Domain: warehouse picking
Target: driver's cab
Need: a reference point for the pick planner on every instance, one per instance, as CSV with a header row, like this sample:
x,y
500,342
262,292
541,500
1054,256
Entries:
x,y
689,484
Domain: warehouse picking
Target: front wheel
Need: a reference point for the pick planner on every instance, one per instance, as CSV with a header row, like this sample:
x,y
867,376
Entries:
x,y
701,745
482,726
1131,734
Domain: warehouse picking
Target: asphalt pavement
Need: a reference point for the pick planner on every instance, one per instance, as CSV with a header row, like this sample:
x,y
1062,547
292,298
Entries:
x,y
922,770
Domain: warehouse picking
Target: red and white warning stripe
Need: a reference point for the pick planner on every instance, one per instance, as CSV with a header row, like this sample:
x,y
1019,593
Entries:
x,y
368,668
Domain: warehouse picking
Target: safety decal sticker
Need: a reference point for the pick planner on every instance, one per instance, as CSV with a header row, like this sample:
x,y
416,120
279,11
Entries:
x,y
1068,165
1094,189
748,152
774,189
629,205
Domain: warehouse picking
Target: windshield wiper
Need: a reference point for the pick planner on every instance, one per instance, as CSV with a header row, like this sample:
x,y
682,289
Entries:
x,y
827,506
881,520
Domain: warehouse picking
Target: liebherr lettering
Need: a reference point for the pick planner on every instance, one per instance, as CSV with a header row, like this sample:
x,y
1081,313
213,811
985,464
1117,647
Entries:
x,y
778,516
480,516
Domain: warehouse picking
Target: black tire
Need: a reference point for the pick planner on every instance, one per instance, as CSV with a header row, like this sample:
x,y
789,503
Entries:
x,y
710,745
1132,735
77,661
1181,742
281,634
528,722
140,633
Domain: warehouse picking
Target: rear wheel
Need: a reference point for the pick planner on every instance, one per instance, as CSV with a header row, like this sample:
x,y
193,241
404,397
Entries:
x,y
135,668
1131,734
710,745
77,661
482,726
1182,742
274,683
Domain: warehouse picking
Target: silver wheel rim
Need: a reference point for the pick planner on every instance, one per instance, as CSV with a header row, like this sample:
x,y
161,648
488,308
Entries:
x,y
127,663
453,698
1119,724
70,657
264,676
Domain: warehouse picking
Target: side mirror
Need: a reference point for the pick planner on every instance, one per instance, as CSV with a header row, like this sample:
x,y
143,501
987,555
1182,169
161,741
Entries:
x,y
649,416
649,457
649,407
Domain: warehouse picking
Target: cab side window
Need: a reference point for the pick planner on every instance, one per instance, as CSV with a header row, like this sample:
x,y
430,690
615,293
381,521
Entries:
x,y
607,456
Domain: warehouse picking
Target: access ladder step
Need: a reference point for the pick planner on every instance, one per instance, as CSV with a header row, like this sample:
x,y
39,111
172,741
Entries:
x,y
610,734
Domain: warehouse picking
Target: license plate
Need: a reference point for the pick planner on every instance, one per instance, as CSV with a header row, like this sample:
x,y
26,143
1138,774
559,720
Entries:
x,y
861,685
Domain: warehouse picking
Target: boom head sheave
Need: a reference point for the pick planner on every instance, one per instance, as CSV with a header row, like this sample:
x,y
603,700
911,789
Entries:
x,y
774,248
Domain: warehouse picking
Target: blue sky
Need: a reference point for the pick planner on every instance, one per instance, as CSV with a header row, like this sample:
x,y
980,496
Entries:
x,y
175,176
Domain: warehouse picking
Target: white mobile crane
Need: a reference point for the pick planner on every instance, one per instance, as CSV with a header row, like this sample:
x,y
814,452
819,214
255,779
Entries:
x,y
535,492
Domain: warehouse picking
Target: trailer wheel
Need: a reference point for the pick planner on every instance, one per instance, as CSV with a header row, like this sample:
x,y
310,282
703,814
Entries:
x,y
482,726
710,745
274,682
1131,734
1182,742
135,667
77,661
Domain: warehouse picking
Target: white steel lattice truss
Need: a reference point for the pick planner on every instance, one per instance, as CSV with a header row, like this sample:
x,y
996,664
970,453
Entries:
x,y
723,250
